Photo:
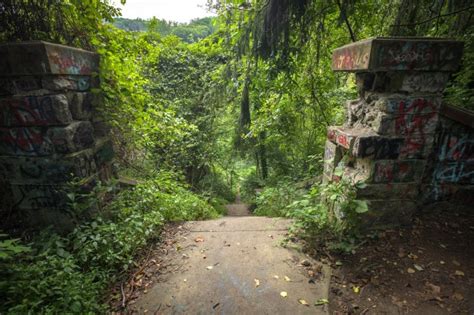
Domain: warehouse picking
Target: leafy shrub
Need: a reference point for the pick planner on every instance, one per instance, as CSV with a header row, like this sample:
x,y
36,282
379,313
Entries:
x,y
69,274
330,214
248,186
273,201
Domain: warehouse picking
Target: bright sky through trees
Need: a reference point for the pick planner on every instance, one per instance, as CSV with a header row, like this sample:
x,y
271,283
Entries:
x,y
171,10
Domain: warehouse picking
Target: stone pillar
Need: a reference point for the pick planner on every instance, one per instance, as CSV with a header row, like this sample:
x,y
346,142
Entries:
x,y
389,131
47,132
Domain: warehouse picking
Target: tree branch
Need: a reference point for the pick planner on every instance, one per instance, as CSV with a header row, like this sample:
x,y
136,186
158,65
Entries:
x,y
434,18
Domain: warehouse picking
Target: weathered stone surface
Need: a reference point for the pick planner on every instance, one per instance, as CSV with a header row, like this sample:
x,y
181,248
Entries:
x,y
383,212
390,171
56,169
25,141
332,156
389,191
35,196
416,147
398,54
38,57
80,105
75,137
402,81
405,125
396,104
67,83
377,147
25,111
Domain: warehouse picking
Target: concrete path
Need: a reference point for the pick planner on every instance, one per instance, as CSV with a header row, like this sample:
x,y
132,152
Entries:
x,y
236,265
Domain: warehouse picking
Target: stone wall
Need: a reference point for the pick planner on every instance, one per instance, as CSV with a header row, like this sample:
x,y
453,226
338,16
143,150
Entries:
x,y
394,138
49,133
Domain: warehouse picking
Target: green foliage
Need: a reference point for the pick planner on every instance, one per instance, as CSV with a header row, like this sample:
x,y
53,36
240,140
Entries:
x,y
191,32
273,201
330,215
70,274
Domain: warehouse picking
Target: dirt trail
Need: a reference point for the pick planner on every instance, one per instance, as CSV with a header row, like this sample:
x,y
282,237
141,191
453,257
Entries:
x,y
235,265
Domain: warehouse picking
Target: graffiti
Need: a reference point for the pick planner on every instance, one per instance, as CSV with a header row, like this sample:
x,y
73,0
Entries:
x,y
377,147
34,111
415,147
414,106
70,62
24,141
454,172
386,171
453,147
72,83
425,82
341,138
351,57
419,55
33,196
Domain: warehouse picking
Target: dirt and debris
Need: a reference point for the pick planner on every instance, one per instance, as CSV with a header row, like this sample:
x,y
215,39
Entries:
x,y
427,268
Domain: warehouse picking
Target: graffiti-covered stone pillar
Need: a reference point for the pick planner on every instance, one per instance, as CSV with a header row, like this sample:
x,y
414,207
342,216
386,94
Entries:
x,y
389,131
48,135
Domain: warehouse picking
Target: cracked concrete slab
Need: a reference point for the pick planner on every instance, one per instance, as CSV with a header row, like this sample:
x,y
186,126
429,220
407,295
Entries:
x,y
219,273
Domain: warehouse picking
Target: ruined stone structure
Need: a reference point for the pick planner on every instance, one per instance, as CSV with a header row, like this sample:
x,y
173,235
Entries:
x,y
395,137
49,133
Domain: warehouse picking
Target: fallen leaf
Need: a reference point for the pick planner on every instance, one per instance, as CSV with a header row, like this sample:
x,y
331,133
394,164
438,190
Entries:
x,y
457,296
199,239
434,288
276,277
459,273
303,302
287,279
257,282
283,294
338,263
356,289
418,267
185,280
441,262
321,302
455,262
209,267
411,270
305,263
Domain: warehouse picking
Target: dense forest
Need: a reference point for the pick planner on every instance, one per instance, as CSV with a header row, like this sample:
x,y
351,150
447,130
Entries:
x,y
200,112
189,32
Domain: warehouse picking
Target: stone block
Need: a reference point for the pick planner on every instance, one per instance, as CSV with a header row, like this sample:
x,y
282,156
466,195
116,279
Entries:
x,y
25,141
457,172
57,169
389,212
39,57
389,191
332,156
67,83
75,137
416,147
403,105
390,171
35,196
80,105
377,147
345,137
44,110
405,124
403,82
399,54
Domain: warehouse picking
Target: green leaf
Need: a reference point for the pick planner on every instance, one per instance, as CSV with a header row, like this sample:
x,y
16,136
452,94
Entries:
x,y
361,206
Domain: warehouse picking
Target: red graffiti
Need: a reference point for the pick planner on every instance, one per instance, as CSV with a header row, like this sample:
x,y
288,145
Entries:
x,y
30,111
22,141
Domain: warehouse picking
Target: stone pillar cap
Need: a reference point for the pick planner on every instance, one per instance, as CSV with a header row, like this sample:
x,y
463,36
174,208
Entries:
x,y
40,58
381,54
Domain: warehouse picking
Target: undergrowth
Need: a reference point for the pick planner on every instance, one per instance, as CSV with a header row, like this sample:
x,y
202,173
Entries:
x,y
69,274
328,214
